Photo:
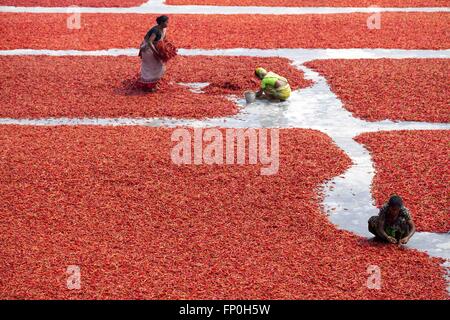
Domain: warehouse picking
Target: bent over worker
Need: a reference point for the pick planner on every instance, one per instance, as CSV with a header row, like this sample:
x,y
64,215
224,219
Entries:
x,y
393,223
273,86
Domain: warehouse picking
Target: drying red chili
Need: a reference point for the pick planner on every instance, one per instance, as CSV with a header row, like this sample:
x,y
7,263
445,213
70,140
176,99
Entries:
x,y
314,3
103,86
397,89
109,200
65,3
105,31
413,164
166,50
232,75
277,3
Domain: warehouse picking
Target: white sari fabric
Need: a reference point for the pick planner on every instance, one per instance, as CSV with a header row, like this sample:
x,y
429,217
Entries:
x,y
152,69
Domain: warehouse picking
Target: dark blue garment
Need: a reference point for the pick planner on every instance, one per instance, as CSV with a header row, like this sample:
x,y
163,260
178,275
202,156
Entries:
x,y
156,31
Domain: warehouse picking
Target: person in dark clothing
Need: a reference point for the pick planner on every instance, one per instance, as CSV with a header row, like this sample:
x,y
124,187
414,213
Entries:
x,y
393,223
152,66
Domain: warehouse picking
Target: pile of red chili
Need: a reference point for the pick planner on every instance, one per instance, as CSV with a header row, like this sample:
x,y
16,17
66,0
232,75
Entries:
x,y
103,86
314,3
413,164
166,50
66,3
396,89
110,200
105,31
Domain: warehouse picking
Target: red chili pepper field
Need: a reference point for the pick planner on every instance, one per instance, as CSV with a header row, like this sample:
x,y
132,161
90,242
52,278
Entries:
x,y
66,3
278,3
314,3
104,31
415,165
87,170
111,201
91,87
396,89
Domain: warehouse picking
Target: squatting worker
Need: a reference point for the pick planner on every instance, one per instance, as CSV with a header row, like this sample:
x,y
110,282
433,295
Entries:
x,y
393,223
273,86
152,67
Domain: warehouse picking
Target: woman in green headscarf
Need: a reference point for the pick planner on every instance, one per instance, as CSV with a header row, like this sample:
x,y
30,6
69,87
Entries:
x,y
273,86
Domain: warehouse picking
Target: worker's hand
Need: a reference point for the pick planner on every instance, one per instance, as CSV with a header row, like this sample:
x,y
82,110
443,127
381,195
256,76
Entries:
x,y
157,55
391,239
404,240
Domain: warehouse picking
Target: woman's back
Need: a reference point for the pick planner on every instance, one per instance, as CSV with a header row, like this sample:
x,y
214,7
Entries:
x,y
155,30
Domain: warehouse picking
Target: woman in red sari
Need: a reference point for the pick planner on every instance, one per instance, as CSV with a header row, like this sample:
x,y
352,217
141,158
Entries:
x,y
152,66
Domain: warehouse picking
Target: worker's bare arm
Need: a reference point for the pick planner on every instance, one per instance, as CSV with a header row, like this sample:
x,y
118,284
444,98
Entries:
x,y
412,230
383,233
151,45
